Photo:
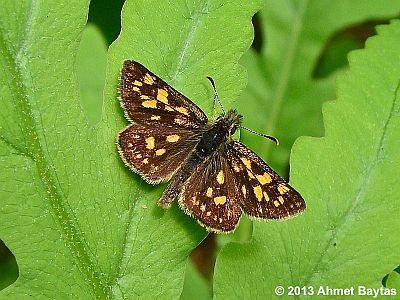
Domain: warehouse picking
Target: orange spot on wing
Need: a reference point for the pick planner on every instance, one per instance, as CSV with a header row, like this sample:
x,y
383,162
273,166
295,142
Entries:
x,y
258,192
220,200
265,178
172,138
148,79
150,143
162,95
150,103
160,152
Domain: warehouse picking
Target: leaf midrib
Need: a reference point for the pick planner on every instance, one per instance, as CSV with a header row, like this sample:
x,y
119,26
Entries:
x,y
68,225
195,20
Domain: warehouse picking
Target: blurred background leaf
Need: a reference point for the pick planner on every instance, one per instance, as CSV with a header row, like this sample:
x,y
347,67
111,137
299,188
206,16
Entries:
x,y
90,64
282,97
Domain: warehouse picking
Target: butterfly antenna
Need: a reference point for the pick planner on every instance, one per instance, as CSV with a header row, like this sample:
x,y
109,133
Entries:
x,y
216,94
270,137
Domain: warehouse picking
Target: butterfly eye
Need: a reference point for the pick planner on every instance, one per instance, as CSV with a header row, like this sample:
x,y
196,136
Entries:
x,y
233,129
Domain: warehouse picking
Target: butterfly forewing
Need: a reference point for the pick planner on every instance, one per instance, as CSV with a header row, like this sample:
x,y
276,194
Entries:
x,y
210,195
147,99
266,194
153,153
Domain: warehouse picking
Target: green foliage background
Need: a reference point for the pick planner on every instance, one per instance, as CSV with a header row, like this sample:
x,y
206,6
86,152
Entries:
x,y
81,226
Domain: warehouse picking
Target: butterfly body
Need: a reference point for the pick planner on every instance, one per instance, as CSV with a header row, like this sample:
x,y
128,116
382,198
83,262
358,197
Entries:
x,y
214,177
212,140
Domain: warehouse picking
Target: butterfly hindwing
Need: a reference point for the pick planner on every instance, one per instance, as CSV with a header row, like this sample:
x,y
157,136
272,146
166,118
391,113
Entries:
x,y
155,153
147,99
266,194
210,195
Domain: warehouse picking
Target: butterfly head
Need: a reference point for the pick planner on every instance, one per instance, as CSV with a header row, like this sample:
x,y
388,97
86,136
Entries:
x,y
231,121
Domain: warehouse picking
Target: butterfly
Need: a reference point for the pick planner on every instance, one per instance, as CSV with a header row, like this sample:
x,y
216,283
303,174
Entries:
x,y
214,178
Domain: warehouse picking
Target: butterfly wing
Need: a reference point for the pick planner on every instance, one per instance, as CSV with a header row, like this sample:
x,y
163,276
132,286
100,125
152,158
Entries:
x,y
167,124
265,194
147,99
153,153
211,196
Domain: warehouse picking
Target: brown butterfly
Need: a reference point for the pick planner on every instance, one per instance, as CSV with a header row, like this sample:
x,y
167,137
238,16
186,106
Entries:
x,y
213,177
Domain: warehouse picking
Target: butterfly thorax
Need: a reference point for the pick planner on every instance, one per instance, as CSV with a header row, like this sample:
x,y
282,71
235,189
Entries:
x,y
218,133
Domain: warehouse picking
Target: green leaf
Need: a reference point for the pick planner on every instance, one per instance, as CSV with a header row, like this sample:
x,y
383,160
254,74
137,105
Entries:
x,y
195,286
393,280
79,223
185,43
348,233
91,72
282,98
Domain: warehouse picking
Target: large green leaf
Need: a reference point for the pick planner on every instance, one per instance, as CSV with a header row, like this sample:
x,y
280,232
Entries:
x,y
348,234
282,98
80,224
183,44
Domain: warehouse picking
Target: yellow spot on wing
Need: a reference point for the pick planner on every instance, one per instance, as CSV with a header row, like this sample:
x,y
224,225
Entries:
x,y
236,168
148,79
136,89
172,138
169,108
250,174
150,143
244,191
265,178
138,83
282,188
220,177
160,152
150,103
144,97
276,203
145,161
281,199
155,117
220,200
139,155
258,192
162,96
266,196
246,162
182,110
209,192
202,207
